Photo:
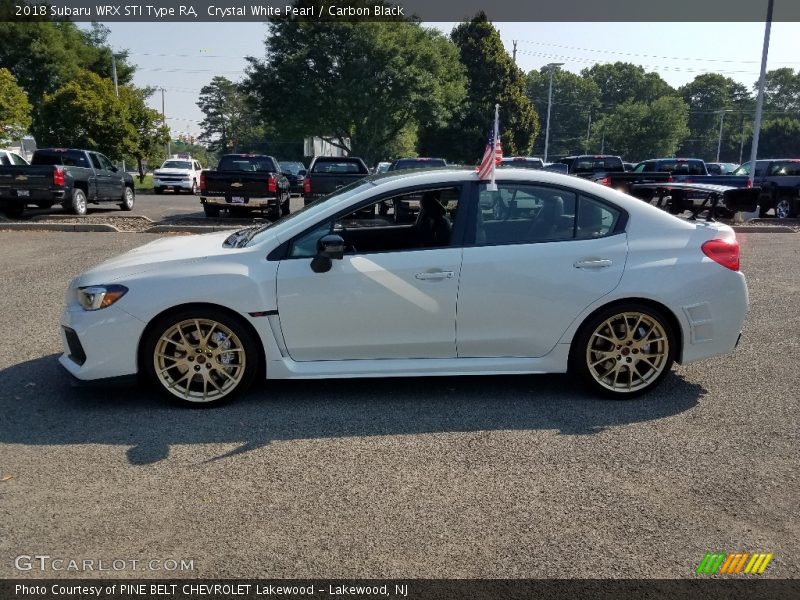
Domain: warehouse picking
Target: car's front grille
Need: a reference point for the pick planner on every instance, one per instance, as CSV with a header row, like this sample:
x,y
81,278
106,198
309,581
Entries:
x,y
76,353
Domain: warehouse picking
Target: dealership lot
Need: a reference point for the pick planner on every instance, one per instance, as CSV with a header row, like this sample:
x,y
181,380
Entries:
x,y
469,477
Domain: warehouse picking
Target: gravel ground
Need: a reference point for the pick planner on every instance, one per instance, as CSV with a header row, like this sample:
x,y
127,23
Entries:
x,y
443,477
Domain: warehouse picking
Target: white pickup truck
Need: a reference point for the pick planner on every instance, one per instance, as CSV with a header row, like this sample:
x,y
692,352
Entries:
x,y
10,159
178,173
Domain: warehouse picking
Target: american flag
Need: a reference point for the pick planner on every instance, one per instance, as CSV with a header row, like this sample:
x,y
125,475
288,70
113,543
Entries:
x,y
492,156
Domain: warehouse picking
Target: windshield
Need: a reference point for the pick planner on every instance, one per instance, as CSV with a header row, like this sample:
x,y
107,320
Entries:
x,y
292,167
251,164
177,164
417,163
248,235
743,170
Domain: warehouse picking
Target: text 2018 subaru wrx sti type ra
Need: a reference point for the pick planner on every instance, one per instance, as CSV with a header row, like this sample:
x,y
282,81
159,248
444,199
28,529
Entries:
x,y
412,274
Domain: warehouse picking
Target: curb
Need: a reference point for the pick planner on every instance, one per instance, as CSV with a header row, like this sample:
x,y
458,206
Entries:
x,y
96,227
188,229
763,229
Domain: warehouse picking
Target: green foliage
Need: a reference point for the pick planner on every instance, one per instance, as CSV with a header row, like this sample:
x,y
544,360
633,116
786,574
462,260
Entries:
x,y
779,138
492,78
625,82
637,130
782,90
362,81
15,110
574,99
231,124
149,134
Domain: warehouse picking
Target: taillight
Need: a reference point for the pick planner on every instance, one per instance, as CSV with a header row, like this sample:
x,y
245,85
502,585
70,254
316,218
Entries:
x,y
58,176
723,252
605,181
307,185
272,184
749,184
202,183
669,178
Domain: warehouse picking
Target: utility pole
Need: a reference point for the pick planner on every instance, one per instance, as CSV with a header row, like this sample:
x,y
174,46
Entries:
x,y
552,67
741,145
588,129
760,98
116,87
164,120
514,54
721,119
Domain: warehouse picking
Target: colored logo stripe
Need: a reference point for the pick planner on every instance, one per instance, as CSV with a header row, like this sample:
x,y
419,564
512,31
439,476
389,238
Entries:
x,y
733,563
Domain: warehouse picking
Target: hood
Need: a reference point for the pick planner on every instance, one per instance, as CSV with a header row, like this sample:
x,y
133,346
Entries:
x,y
160,254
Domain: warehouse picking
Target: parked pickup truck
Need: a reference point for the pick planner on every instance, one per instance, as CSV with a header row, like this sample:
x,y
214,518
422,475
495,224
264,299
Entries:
x,y
591,166
245,183
671,170
66,176
326,174
779,180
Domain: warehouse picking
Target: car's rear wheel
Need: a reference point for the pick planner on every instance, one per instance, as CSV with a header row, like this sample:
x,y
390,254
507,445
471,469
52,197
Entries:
x,y
200,357
784,208
624,351
128,199
193,191
78,205
158,190
211,211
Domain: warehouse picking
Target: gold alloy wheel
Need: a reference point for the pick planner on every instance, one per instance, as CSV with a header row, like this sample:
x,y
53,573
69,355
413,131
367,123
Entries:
x,y
199,360
627,352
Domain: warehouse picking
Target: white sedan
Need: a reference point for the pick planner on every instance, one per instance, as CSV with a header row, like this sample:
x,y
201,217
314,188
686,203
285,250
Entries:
x,y
412,274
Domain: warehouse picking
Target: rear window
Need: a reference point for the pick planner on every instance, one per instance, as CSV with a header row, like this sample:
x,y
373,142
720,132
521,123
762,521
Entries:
x,y
341,166
521,163
251,164
417,163
594,164
785,168
67,158
682,167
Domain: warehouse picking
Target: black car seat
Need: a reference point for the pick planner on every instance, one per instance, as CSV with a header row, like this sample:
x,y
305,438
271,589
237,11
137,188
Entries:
x,y
433,226
590,221
547,221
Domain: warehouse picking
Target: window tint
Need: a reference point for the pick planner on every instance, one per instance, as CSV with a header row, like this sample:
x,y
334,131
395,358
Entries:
x,y
177,164
523,214
595,219
67,158
105,163
338,167
95,161
251,164
408,221
593,164
785,168
18,160
4,161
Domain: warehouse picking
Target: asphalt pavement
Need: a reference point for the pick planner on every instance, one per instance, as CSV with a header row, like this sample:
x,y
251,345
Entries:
x,y
471,477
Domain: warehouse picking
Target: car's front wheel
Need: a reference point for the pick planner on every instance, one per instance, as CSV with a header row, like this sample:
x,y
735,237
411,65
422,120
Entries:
x,y
624,351
784,208
200,357
128,199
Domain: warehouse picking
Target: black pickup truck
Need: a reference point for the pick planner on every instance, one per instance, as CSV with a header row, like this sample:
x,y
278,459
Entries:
x,y
326,174
245,183
66,176
779,180
590,166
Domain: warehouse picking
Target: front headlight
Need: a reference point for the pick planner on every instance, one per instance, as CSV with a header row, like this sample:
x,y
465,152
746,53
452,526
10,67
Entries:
x,y
95,297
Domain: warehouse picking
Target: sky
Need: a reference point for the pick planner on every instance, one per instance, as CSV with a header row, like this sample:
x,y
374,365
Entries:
x,y
183,57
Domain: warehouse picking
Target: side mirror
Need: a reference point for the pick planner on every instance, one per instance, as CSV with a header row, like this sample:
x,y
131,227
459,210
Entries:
x,y
329,248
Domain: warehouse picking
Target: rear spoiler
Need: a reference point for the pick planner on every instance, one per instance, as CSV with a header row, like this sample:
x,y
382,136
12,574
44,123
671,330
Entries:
x,y
733,198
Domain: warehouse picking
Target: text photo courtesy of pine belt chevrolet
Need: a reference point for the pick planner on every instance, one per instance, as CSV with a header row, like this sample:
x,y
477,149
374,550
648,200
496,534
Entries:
x,y
547,274
69,177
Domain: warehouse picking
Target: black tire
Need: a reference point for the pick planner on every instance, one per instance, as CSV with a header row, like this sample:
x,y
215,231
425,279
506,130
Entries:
x,y
158,190
285,205
78,206
193,191
14,211
128,199
165,357
677,204
595,358
211,211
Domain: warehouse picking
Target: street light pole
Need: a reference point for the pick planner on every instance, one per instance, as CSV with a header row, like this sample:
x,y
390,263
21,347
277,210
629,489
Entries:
x,y
164,120
760,98
552,67
721,119
116,87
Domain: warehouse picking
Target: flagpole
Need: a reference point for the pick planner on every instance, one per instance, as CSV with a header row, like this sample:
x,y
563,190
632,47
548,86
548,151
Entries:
x,y
492,186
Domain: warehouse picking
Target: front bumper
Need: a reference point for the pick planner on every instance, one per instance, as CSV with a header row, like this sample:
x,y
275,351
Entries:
x,y
182,184
99,344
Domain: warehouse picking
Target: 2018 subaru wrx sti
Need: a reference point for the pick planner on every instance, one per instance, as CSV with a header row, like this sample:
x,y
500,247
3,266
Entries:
x,y
412,274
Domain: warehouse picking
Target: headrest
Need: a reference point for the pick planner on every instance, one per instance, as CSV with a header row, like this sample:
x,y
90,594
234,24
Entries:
x,y
431,205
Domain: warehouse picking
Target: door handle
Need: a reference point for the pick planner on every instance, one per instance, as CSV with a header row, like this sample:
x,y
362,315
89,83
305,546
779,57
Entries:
x,y
593,263
435,275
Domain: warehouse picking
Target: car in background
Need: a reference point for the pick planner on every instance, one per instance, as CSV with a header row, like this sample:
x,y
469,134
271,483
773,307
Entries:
x,y
721,168
296,173
417,163
179,173
547,273
556,167
326,174
382,167
589,166
779,181
521,162
628,166
9,158
243,184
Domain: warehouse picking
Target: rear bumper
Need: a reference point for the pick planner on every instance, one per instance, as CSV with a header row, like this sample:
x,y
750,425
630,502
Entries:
x,y
254,203
10,196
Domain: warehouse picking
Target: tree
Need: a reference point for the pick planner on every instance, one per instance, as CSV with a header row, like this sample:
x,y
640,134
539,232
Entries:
x,y
86,113
230,124
707,96
637,130
356,84
492,78
150,135
15,110
782,90
575,100
779,138
625,82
